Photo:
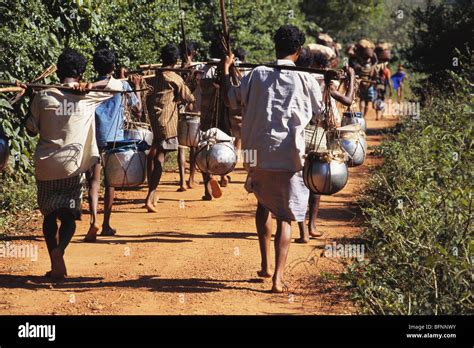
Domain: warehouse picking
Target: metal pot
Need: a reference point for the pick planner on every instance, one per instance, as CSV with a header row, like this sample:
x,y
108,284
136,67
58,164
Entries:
x,y
216,158
139,134
353,142
325,173
4,150
350,117
189,133
125,165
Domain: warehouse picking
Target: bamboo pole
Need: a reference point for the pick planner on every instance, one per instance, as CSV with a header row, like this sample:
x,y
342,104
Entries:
x,y
183,33
11,89
225,27
67,88
284,67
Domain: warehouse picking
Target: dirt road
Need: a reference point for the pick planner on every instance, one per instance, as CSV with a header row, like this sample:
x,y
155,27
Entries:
x,y
193,257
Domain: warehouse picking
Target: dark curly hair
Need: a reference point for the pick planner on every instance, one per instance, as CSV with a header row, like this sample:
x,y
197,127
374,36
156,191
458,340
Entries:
x,y
288,39
190,48
104,61
71,64
305,60
321,60
169,54
241,54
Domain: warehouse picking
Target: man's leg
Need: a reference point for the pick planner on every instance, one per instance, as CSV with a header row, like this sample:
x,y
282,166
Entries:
x,y
263,221
66,232
109,196
93,198
224,181
192,167
181,167
282,245
314,201
362,105
366,108
50,232
207,195
304,235
154,180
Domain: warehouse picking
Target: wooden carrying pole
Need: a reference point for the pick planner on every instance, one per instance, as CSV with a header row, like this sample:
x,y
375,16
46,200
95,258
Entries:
x,y
67,88
332,72
225,27
183,33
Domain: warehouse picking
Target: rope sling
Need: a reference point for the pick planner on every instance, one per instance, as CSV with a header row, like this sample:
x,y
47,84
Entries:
x,y
129,123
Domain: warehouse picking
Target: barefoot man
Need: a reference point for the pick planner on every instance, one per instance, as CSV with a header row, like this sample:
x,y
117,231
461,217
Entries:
x,y
169,91
276,107
109,118
66,150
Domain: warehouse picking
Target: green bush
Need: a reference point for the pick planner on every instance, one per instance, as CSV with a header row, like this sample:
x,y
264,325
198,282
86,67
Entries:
x,y
418,211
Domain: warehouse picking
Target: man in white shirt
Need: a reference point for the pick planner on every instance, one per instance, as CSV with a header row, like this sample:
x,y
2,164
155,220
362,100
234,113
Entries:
x,y
276,106
66,149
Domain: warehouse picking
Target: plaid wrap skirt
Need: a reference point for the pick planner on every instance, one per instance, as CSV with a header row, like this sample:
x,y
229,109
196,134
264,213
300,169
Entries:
x,y
61,193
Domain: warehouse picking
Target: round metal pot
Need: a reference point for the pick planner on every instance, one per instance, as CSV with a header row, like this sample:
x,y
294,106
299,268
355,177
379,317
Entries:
x,y
189,133
216,158
325,173
349,117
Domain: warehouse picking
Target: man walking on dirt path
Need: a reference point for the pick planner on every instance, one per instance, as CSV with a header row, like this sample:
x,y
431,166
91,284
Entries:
x,y
276,107
169,90
109,125
66,149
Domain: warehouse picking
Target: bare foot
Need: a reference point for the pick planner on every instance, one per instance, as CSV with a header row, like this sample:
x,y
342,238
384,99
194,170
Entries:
x,y
181,189
206,197
91,235
224,181
150,208
108,231
264,274
190,184
58,267
302,240
151,202
279,287
313,232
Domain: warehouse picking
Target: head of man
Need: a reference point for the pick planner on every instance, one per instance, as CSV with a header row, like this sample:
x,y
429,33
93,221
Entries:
x,y
169,55
71,65
305,60
240,54
288,42
187,52
321,60
104,61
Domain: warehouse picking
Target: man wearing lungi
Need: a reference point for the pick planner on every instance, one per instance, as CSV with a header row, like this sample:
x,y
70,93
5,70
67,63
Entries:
x,y
169,91
276,107
109,122
66,149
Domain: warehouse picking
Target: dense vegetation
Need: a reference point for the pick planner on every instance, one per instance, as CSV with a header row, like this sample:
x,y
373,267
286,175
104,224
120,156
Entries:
x,y
418,205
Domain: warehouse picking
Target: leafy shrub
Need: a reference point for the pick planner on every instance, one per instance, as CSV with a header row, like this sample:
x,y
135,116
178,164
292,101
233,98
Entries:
x,y
418,210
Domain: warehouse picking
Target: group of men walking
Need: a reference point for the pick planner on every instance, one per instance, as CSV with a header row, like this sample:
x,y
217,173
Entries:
x,y
271,109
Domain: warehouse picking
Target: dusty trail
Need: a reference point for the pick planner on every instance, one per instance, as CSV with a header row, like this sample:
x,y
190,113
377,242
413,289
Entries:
x,y
198,259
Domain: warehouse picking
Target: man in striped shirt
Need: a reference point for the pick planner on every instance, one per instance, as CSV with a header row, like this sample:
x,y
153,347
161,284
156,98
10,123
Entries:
x,y
169,90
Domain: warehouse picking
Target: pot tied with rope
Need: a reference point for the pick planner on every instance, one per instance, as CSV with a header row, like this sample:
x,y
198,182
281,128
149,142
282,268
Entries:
x,y
125,159
325,171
